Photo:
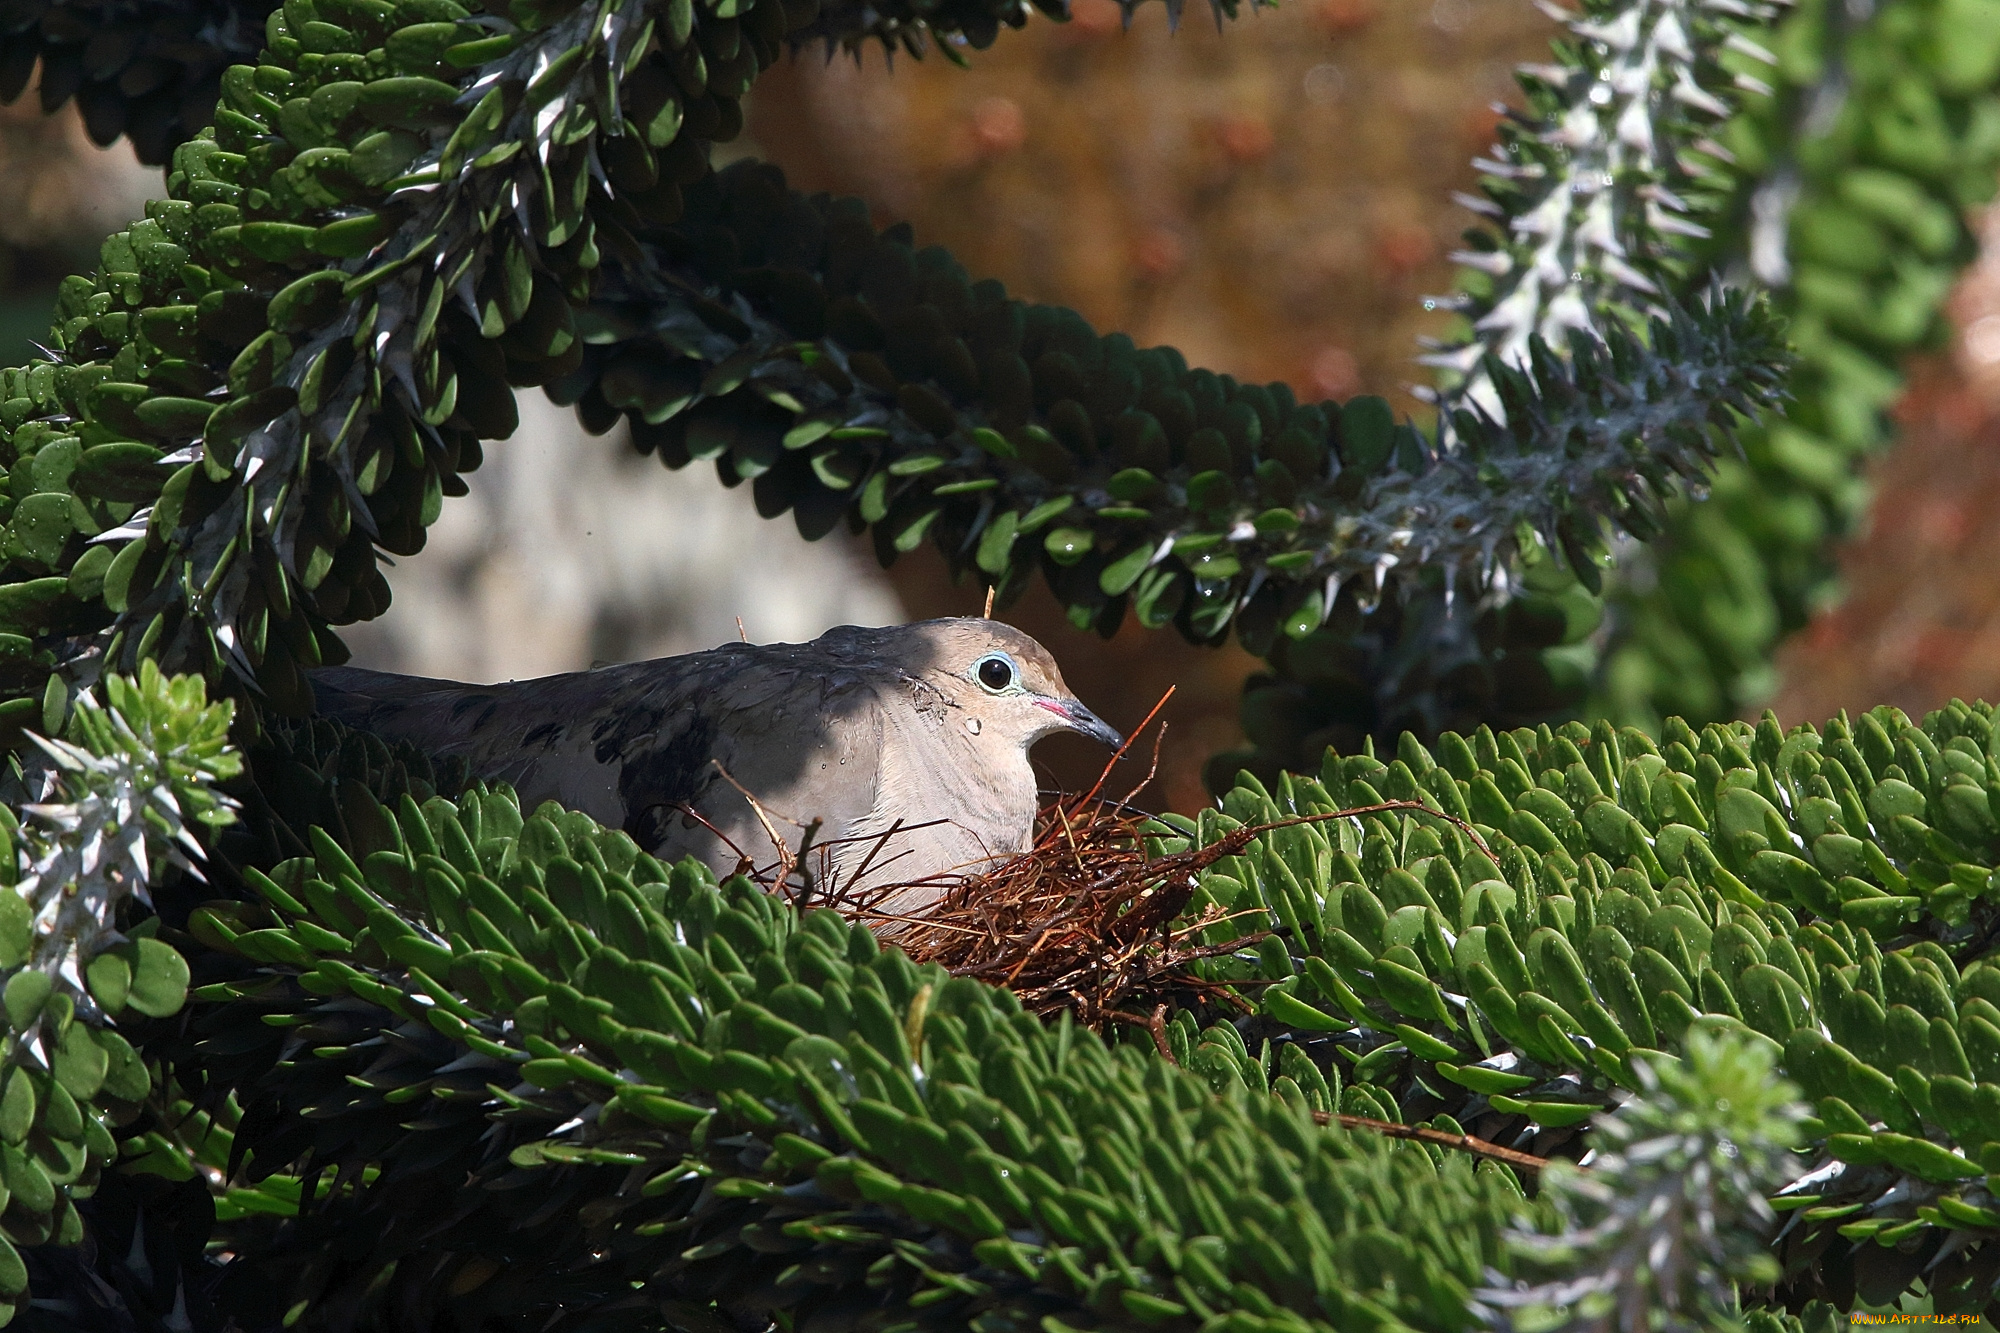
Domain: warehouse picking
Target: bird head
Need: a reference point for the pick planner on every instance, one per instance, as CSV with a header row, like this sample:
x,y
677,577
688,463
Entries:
x,y
1006,686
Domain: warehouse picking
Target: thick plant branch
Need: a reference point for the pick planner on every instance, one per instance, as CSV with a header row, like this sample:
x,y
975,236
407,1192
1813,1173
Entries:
x,y
849,374
1590,190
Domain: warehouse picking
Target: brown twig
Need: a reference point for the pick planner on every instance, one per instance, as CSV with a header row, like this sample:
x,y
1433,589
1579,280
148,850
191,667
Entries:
x,y
1422,1134
721,837
1156,1024
1125,745
787,861
1414,807
790,859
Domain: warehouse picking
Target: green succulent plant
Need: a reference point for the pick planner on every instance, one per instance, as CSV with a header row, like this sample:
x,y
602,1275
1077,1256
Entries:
x,y
1588,897
404,1055
672,1097
137,782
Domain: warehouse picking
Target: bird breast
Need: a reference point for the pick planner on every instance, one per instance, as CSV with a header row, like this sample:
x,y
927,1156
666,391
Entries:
x,y
962,805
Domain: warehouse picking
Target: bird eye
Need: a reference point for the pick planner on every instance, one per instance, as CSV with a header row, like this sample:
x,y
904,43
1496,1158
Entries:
x,y
996,673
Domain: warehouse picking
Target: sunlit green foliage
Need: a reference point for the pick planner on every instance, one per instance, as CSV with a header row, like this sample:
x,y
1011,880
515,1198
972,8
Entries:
x,y
448,1061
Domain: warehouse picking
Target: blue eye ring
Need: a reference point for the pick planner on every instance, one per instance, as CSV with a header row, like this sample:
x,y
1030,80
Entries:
x,y
997,673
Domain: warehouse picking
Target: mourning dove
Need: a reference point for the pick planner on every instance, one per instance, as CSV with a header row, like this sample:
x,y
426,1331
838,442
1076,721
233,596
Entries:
x,y
909,745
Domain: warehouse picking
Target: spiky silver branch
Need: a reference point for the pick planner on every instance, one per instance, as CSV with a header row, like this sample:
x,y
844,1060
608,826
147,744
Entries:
x,y
136,781
460,206
1591,190
1668,1221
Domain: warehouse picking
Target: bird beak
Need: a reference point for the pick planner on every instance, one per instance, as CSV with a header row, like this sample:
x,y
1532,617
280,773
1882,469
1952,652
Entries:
x,y
1082,721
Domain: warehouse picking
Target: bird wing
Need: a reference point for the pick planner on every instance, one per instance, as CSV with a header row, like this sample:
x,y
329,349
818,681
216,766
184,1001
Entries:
x,y
637,746
803,738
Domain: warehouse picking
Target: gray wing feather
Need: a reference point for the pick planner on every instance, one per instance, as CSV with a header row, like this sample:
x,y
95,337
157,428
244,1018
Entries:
x,y
637,746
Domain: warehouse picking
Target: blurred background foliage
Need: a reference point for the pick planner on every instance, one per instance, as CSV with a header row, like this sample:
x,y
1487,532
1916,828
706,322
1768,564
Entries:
x,y
1266,199
1851,190
64,196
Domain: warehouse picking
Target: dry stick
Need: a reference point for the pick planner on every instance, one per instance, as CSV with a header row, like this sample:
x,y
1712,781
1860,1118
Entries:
x,y
1029,956
1249,833
1461,1142
1157,1025
1119,753
786,861
839,896
1124,804
987,614
1237,839
880,845
742,857
805,892
1416,807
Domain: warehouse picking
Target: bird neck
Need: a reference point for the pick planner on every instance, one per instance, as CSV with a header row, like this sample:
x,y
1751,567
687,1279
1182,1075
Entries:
x,y
981,779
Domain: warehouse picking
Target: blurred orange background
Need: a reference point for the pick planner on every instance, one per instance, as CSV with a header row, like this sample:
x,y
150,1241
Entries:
x,y
1919,622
